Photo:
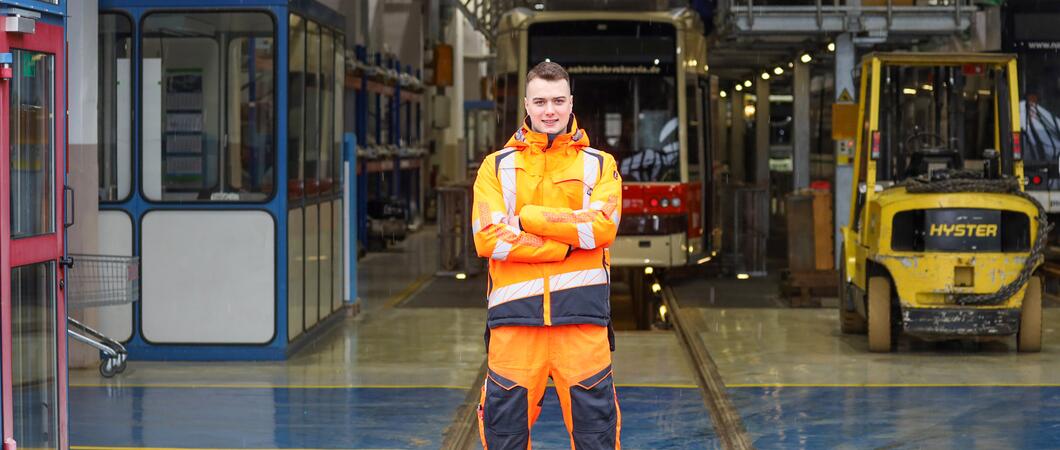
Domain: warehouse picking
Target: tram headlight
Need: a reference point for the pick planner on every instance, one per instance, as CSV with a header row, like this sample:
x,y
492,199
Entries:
x,y
676,202
665,203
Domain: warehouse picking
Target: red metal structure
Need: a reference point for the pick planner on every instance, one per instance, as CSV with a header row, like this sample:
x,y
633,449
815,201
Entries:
x,y
32,205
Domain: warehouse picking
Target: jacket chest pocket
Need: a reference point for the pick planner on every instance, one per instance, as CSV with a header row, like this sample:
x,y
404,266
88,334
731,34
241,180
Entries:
x,y
571,182
574,192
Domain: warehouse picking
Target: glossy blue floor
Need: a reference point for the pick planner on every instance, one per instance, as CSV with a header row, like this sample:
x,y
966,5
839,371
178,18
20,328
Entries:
x,y
391,377
346,418
251,417
797,382
394,375
900,417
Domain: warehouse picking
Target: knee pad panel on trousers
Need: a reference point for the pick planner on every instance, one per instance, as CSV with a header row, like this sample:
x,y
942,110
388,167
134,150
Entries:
x,y
504,414
594,411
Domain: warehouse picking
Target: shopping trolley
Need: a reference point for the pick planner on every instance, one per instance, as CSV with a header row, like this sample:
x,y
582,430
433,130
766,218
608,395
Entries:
x,y
101,280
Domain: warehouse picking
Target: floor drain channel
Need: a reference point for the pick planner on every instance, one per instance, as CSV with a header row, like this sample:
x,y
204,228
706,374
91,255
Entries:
x,y
723,414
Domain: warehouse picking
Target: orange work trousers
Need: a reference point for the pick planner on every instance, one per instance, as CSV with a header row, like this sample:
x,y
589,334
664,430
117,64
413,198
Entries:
x,y
522,359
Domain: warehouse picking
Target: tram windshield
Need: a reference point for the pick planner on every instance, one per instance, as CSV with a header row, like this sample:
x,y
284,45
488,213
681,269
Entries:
x,y
625,93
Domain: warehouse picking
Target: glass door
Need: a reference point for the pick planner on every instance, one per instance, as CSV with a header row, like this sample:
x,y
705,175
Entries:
x,y
31,237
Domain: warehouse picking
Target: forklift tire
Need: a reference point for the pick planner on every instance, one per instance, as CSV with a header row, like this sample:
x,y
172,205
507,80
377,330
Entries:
x,y
879,292
1029,336
849,321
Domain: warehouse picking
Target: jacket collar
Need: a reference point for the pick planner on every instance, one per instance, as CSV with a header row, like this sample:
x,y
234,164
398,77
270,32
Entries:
x,y
526,137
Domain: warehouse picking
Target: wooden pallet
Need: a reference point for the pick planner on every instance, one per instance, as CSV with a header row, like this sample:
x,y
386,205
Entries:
x,y
805,288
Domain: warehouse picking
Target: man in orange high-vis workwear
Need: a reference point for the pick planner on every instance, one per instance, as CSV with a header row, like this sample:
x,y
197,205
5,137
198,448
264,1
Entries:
x,y
546,208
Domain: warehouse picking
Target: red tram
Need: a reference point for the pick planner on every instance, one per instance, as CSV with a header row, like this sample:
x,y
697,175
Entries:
x,y
641,91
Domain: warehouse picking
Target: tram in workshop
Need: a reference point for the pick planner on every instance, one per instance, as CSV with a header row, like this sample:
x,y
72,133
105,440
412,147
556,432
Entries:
x,y
658,133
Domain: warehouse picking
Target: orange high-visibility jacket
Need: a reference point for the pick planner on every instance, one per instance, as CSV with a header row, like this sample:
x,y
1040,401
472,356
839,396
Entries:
x,y
544,216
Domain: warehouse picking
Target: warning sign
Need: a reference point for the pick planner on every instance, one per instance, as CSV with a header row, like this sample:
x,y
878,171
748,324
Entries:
x,y
845,97
844,121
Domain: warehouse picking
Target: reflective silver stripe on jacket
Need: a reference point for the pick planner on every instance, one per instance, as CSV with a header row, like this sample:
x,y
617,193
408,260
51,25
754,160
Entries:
x,y
517,291
578,278
586,239
506,174
592,166
495,217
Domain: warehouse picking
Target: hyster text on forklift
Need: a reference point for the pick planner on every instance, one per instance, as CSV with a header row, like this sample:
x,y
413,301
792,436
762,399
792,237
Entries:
x,y
942,240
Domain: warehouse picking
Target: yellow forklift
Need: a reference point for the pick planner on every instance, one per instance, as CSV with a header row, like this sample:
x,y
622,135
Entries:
x,y
942,241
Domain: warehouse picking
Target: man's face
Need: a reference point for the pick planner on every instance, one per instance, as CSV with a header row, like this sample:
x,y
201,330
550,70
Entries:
x,y
549,105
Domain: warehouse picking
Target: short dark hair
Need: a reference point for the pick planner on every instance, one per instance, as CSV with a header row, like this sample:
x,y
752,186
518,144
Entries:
x,y
548,71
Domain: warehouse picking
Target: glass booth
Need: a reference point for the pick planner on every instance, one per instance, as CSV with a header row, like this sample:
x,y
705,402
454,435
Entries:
x,y
220,167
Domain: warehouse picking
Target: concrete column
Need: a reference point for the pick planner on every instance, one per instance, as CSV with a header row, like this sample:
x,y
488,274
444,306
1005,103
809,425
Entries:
x,y
453,160
844,171
737,171
83,175
800,157
402,32
761,169
373,25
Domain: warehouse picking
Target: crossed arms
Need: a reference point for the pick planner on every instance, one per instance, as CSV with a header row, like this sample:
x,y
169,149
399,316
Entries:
x,y
538,234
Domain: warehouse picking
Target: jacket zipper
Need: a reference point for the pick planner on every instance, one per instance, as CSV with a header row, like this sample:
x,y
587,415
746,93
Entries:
x,y
546,184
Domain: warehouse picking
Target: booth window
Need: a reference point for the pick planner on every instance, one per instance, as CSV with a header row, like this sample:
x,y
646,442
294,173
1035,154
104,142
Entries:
x,y
339,111
208,107
295,108
115,107
312,108
34,358
32,125
327,110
